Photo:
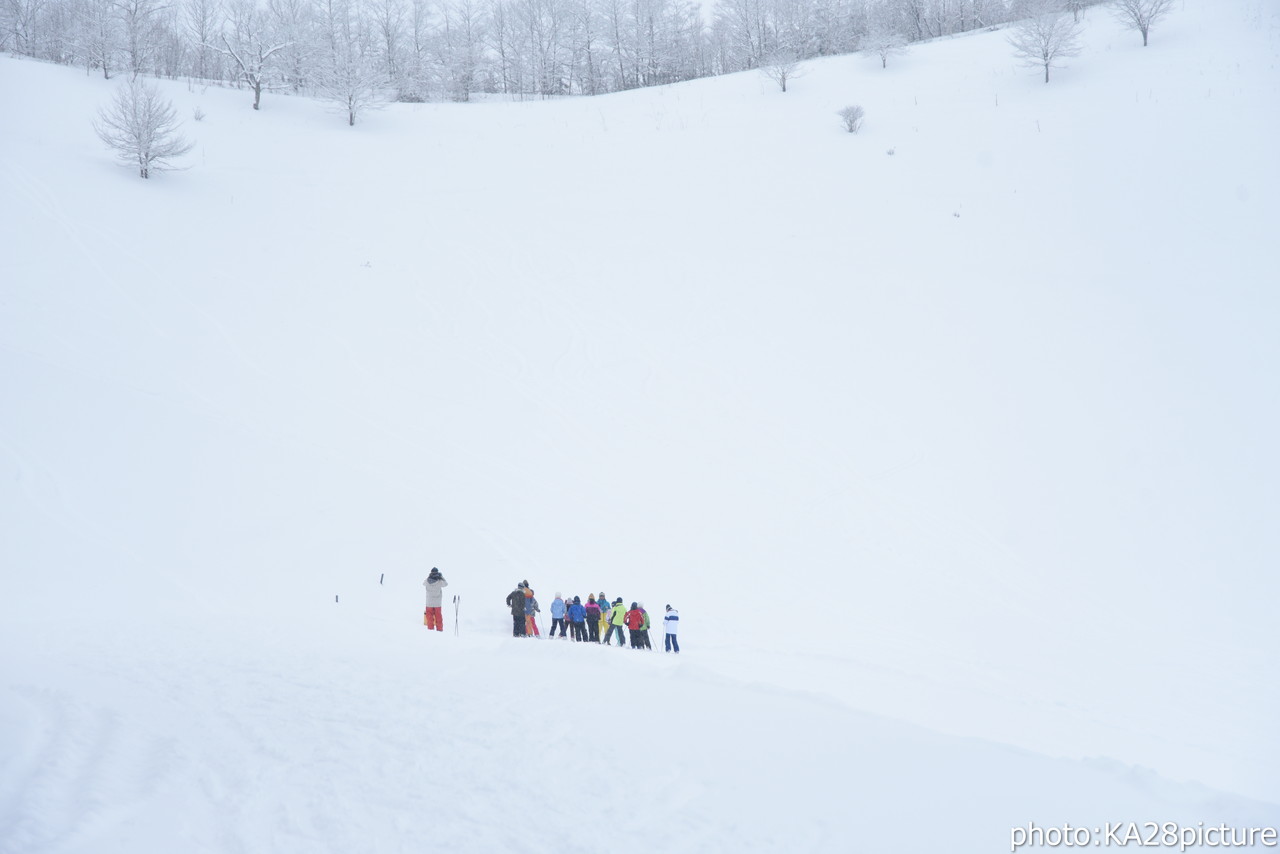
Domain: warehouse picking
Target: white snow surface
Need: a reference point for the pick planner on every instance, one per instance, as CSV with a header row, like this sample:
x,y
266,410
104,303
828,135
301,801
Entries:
x,y
953,441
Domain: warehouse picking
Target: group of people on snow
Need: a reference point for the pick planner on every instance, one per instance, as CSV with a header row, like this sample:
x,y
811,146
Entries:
x,y
596,621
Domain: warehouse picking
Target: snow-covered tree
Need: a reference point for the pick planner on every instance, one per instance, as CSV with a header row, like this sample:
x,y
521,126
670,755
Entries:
x,y
97,36
461,47
742,28
389,22
200,20
588,47
136,19
1141,15
354,82
1046,37
141,127
292,23
19,20
884,41
248,41
781,67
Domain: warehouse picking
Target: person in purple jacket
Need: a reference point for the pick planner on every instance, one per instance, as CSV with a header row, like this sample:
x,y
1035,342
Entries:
x,y
593,619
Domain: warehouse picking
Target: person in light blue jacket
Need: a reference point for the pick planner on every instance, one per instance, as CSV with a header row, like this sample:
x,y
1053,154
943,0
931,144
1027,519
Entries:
x,y
557,616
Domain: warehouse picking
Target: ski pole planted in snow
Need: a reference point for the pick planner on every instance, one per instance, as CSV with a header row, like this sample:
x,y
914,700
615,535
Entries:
x,y
456,601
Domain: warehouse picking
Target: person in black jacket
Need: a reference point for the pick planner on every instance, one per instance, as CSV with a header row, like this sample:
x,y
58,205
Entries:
x,y
515,601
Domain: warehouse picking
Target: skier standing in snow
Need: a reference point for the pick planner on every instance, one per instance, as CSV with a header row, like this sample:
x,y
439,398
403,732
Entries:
x,y
644,628
635,622
617,615
558,609
603,602
515,601
530,610
593,619
435,585
671,622
577,619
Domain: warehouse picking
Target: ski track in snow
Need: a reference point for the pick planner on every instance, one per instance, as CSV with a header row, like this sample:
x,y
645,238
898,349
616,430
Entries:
x,y
331,746
80,776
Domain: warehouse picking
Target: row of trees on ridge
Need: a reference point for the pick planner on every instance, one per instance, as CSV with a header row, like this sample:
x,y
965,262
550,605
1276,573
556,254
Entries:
x,y
417,50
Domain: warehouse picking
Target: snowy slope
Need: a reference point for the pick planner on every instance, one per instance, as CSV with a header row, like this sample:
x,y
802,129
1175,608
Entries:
x,y
958,461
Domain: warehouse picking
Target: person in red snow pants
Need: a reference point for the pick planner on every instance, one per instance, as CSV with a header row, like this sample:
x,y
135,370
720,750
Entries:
x,y
435,585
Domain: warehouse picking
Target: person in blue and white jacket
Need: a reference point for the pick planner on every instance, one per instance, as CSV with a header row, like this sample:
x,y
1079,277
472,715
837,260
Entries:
x,y
671,622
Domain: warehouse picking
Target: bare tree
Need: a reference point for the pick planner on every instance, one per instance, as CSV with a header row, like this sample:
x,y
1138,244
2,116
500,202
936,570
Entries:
x,y
884,41
781,66
18,19
200,18
389,19
141,127
354,82
293,25
98,36
247,42
460,47
136,28
1141,15
1045,38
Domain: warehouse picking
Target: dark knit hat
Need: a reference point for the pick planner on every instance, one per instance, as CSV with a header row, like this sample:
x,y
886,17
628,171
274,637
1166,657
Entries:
x,y
577,601
634,606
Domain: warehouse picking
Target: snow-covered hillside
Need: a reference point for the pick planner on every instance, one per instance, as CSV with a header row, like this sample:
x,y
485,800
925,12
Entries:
x,y
953,441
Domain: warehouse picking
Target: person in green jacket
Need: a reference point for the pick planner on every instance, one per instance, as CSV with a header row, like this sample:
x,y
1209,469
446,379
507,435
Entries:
x,y
644,629
617,614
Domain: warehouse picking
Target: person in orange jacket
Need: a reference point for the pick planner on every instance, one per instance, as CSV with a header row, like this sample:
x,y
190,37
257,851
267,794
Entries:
x,y
530,611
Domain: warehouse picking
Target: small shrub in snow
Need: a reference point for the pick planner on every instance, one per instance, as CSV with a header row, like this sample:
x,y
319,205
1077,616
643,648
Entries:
x,y
852,116
198,114
141,127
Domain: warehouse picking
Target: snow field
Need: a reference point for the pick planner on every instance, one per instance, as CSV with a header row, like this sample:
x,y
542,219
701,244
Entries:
x,y
958,462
